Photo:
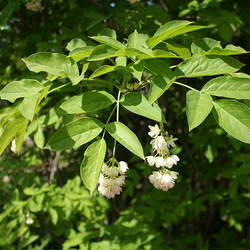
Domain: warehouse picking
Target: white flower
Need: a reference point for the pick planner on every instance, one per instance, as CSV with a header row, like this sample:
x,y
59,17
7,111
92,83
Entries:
x,y
29,221
120,180
171,141
171,161
163,180
154,131
110,171
159,161
160,145
110,187
122,167
150,160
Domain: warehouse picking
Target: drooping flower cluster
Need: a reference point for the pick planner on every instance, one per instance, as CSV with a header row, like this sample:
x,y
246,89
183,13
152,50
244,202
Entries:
x,y
112,178
161,158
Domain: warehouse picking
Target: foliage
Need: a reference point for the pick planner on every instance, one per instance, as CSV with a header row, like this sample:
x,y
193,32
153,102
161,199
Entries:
x,y
89,84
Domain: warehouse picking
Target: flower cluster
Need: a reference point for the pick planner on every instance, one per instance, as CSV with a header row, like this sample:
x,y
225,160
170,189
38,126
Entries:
x,y
112,178
161,158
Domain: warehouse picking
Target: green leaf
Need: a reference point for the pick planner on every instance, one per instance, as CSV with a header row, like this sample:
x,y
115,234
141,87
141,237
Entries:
x,y
39,137
159,53
54,215
75,134
92,163
102,52
132,52
20,135
19,89
199,105
137,103
157,67
104,69
10,131
228,86
204,44
208,46
28,106
90,101
75,44
179,49
207,66
172,29
234,118
111,42
137,40
53,63
126,137
158,85
81,53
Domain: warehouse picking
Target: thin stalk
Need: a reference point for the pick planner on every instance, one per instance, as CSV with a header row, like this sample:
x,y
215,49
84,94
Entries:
x,y
112,112
117,118
184,85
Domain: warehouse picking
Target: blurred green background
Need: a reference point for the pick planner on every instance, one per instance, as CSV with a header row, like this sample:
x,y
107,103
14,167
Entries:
x,y
43,203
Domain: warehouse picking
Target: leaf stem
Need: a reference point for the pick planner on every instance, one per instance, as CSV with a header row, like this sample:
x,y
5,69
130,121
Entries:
x,y
184,85
112,112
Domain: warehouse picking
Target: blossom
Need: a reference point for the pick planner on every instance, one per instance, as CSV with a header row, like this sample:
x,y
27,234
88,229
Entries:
x,y
163,180
159,144
110,171
122,167
159,162
154,131
112,179
171,141
29,221
150,160
171,161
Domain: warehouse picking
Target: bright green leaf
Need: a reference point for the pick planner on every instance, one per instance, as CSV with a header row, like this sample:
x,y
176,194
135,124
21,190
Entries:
x,y
28,106
137,103
92,163
75,134
179,49
90,101
19,89
109,41
234,118
75,44
172,29
81,53
53,63
104,69
207,66
39,137
228,86
126,137
199,105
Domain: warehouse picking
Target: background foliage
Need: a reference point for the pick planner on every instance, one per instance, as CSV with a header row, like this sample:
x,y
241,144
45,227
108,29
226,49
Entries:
x,y
209,206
